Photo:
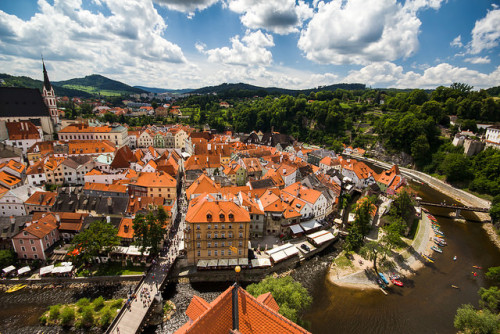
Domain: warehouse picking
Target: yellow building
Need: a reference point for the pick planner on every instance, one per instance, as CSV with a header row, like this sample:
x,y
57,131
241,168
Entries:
x,y
217,232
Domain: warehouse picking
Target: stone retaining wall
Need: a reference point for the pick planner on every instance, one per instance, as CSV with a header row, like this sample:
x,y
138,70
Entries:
x,y
73,280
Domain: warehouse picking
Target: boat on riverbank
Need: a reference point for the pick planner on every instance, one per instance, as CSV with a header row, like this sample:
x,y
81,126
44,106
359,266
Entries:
x,y
428,258
15,288
436,249
382,276
396,282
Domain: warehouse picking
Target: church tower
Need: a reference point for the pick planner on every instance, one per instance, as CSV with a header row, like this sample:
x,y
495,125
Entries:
x,y
49,97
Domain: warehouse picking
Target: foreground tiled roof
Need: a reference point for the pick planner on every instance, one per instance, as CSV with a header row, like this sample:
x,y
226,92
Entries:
x,y
22,130
256,315
203,209
42,198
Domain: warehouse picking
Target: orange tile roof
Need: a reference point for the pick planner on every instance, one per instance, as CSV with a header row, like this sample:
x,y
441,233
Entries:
x,y
202,206
156,180
329,161
90,146
387,176
197,307
14,165
116,188
37,168
139,203
42,198
125,229
85,128
22,130
203,184
9,180
271,202
303,192
42,227
255,316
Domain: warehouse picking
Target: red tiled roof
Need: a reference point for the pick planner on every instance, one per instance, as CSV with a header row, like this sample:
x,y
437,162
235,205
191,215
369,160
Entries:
x,y
22,130
125,230
254,316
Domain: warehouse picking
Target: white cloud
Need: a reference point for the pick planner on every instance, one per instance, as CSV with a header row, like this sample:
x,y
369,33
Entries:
x,y
67,33
186,6
251,50
363,31
377,73
478,60
457,42
279,16
486,32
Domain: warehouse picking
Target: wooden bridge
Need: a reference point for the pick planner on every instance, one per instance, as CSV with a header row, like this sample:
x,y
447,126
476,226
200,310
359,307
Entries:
x,y
457,208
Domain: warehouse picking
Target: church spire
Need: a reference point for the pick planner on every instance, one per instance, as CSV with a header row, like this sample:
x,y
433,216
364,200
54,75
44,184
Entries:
x,y
46,81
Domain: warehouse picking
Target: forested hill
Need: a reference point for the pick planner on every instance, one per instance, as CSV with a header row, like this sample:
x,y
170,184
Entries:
x,y
246,90
96,83
27,82
164,90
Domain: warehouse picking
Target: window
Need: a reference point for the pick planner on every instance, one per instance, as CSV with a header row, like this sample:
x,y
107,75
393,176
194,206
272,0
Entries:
x,y
216,226
209,226
216,235
209,244
229,252
23,249
239,252
223,235
31,241
209,235
25,256
241,234
209,253
35,256
21,241
198,236
230,234
215,252
241,226
216,244
230,226
197,227
240,243
198,245
33,249
199,253
230,243
223,226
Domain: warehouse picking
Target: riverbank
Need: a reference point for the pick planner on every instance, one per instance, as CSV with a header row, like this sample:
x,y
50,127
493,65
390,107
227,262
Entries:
x,y
359,273
458,195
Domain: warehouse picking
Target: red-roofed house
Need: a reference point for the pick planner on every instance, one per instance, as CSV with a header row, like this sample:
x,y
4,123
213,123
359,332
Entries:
x,y
235,311
36,238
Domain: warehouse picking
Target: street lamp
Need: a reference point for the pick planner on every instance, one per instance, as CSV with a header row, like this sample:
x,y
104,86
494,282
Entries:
x,y
237,269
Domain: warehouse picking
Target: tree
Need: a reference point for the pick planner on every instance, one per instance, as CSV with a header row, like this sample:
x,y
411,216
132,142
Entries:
x,y
150,230
67,316
490,299
493,274
420,150
470,320
99,237
402,206
290,295
6,258
495,210
373,250
87,318
456,167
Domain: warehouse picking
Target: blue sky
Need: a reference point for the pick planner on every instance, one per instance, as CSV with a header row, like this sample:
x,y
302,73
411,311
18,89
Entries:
x,y
284,43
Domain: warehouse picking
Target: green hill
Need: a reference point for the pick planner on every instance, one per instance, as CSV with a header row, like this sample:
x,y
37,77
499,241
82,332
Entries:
x,y
27,82
98,84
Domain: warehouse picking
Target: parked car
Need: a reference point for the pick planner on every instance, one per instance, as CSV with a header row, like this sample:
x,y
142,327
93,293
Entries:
x,y
305,247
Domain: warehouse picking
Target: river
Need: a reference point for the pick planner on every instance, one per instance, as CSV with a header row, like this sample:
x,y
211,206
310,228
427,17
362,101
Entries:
x,y
426,304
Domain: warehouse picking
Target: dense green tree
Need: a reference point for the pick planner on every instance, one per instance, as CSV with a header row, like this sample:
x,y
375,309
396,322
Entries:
x,y
149,231
469,320
402,206
374,250
420,150
291,296
490,299
493,274
7,258
99,238
456,167
418,97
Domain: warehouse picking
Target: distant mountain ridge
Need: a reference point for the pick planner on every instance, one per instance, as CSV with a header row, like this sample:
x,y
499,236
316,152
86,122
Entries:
x,y
164,90
27,82
97,83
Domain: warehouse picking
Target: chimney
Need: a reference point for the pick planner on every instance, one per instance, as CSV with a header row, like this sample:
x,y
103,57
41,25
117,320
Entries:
x,y
125,228
12,220
236,321
58,218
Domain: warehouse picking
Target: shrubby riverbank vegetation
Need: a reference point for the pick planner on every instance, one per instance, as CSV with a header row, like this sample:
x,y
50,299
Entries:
x,y
84,314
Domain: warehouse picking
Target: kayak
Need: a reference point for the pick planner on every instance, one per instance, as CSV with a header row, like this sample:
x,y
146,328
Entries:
x,y
455,287
15,288
428,258
477,267
397,282
382,276
436,249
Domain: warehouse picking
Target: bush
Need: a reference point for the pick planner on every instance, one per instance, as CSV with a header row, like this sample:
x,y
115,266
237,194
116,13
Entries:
x,y
43,319
67,316
98,303
54,312
81,303
87,318
116,304
106,319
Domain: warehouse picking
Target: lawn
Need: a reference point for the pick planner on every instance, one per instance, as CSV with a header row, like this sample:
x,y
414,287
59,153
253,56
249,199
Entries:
x,y
343,262
116,269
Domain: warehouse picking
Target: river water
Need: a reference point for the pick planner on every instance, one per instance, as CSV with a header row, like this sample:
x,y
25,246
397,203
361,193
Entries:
x,y
426,304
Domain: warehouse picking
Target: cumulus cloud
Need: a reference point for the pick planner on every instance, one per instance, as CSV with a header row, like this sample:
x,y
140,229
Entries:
x,y
457,42
250,50
486,32
278,16
478,60
387,74
66,32
186,6
363,31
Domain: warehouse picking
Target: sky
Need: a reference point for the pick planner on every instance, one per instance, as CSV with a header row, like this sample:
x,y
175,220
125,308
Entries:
x,y
178,44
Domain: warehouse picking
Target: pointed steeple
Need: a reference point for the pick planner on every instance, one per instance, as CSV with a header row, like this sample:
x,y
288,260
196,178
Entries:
x,y
46,81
